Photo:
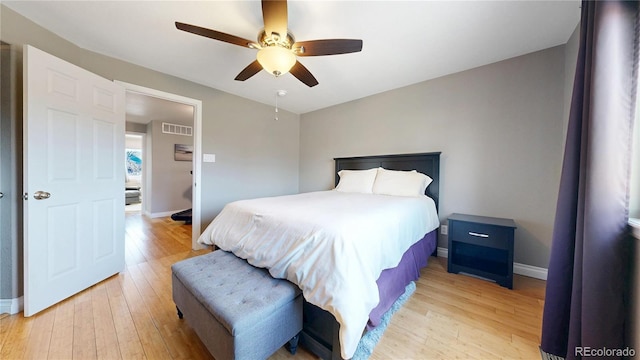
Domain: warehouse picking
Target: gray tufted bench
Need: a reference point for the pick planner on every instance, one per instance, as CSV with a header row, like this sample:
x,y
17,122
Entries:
x,y
238,311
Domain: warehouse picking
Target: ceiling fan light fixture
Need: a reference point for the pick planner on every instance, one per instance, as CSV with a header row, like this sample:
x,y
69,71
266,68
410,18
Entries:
x,y
277,48
276,60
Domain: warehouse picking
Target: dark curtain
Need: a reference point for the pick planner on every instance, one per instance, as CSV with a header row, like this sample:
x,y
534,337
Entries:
x,y
585,304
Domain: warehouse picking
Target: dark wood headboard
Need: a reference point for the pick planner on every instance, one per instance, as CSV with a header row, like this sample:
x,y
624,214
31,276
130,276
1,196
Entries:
x,y
426,163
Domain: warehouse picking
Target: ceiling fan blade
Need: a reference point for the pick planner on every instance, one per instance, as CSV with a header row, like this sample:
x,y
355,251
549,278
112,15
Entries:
x,y
249,71
216,35
301,73
274,14
327,47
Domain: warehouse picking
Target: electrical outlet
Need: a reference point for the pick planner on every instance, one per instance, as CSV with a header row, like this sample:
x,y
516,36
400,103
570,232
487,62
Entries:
x,y
444,229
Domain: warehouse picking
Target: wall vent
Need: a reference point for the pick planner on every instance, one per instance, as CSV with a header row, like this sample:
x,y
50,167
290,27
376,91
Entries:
x,y
175,129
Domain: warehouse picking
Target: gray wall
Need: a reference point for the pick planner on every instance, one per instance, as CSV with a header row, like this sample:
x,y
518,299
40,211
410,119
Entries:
x,y
255,155
135,127
570,62
10,177
500,130
170,179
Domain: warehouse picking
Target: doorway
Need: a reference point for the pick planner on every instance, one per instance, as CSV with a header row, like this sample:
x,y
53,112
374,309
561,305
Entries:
x,y
134,155
133,91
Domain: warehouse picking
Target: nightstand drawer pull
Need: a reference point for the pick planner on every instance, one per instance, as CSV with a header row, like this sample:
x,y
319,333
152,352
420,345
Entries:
x,y
478,234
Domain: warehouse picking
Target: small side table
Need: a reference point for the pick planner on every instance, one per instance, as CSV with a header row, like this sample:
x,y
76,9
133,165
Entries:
x,y
482,246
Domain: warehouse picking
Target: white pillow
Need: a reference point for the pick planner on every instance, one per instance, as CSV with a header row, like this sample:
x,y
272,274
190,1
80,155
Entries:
x,y
358,181
400,183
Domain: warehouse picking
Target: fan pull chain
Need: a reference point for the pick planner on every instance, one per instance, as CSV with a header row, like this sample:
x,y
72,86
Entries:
x,y
279,93
276,106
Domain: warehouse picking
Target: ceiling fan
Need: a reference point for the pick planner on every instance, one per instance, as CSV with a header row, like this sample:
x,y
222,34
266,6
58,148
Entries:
x,y
277,48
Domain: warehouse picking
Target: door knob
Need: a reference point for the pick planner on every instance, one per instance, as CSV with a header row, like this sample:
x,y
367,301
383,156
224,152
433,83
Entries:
x,y
41,195
1,195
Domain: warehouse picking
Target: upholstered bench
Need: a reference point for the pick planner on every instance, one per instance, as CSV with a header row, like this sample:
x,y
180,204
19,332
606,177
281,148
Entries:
x,y
131,195
238,311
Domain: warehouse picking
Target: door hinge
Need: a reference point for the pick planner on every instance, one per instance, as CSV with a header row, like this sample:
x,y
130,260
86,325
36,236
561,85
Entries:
x,y
25,196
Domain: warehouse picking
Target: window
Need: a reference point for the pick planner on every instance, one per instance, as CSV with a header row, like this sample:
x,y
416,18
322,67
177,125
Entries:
x,y
133,162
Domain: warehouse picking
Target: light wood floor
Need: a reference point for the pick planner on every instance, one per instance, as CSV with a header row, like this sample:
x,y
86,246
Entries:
x,y
131,315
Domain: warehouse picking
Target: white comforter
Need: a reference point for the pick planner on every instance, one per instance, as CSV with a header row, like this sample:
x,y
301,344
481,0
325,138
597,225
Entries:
x,y
333,245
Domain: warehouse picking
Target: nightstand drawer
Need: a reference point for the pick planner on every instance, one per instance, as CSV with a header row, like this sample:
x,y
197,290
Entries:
x,y
481,234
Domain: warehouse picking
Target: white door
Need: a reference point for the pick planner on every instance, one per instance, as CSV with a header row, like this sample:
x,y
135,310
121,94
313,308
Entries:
x,y
73,179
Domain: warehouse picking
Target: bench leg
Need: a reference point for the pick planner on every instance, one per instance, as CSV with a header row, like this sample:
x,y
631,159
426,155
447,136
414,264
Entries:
x,y
293,344
179,313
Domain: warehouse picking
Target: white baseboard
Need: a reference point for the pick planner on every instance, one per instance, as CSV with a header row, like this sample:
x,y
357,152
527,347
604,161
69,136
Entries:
x,y
518,268
530,271
443,252
11,306
162,214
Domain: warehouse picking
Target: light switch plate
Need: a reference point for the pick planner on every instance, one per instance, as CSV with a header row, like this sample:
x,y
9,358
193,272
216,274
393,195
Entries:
x,y
209,158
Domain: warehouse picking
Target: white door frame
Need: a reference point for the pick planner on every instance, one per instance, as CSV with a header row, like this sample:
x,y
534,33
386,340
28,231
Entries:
x,y
197,149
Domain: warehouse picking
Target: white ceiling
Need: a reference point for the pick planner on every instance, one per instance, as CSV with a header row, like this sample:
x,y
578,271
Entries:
x,y
405,42
143,109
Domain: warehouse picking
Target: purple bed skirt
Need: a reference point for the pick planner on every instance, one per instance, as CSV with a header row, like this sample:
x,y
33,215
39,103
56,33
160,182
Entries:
x,y
392,282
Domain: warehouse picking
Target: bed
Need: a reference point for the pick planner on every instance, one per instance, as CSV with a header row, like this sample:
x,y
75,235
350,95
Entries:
x,y
335,246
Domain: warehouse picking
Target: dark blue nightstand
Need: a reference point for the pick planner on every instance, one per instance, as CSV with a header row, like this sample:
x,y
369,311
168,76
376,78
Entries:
x,y
482,246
